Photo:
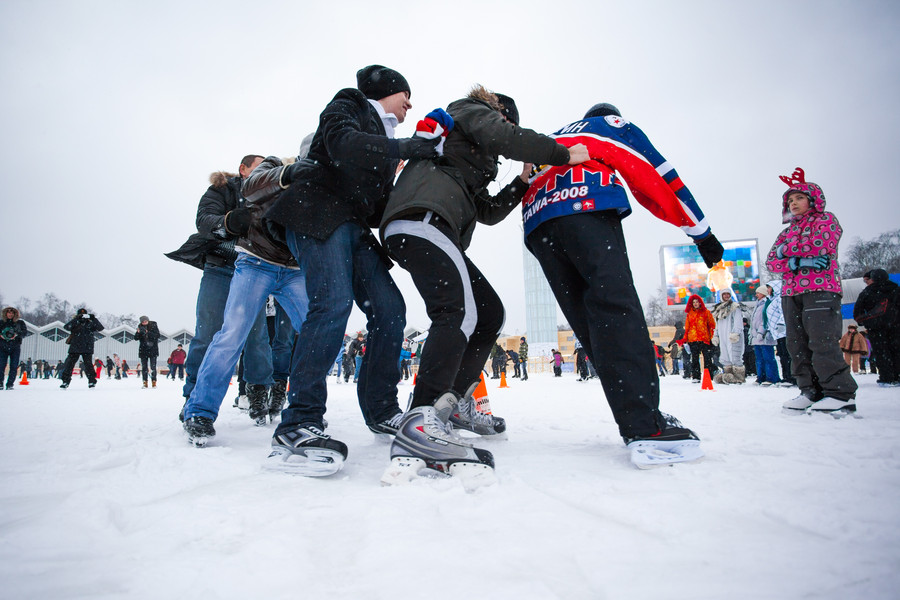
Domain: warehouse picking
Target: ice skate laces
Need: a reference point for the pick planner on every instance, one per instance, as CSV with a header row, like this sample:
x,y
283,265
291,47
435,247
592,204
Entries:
x,y
467,412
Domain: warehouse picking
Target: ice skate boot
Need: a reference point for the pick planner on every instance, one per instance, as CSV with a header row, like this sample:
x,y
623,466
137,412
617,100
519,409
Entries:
x,y
798,404
676,443
834,407
426,447
277,398
258,395
306,450
199,430
468,417
387,428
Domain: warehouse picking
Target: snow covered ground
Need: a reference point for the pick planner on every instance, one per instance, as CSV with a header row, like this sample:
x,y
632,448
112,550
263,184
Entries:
x,y
102,497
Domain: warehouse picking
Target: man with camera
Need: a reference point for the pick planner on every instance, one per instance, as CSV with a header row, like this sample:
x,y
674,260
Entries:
x,y
147,335
81,344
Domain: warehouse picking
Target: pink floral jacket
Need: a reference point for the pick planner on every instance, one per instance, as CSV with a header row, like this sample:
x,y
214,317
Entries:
x,y
815,233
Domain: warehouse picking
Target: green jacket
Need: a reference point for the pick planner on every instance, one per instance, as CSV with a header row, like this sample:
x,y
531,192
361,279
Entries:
x,y
523,351
454,186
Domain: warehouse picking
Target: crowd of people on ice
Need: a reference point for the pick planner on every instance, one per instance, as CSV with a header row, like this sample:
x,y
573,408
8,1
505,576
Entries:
x,y
287,246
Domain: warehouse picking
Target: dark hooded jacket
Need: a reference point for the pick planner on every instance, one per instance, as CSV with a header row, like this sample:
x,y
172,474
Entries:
x,y
82,327
878,305
454,186
148,339
12,331
212,243
347,175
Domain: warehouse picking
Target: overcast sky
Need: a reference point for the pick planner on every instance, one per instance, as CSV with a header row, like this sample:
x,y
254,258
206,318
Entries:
x,y
115,113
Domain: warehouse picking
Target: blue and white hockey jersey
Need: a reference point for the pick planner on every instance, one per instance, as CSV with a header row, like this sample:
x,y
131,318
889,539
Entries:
x,y
619,151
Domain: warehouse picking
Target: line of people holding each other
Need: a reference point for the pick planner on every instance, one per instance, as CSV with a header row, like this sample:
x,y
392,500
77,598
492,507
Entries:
x,y
320,232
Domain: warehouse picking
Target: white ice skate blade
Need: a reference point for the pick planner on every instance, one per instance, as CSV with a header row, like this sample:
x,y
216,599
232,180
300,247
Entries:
x,y
836,414
313,462
793,412
473,475
468,436
199,441
649,454
405,470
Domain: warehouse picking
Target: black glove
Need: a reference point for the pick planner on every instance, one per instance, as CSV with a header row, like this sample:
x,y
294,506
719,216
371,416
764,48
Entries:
x,y
291,171
415,148
237,221
710,249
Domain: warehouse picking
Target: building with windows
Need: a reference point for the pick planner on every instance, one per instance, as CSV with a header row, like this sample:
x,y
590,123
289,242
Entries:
x,y
49,343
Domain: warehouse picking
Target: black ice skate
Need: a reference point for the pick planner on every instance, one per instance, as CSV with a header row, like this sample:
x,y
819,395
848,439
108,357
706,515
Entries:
x,y
387,428
258,395
673,444
306,451
426,447
277,398
199,430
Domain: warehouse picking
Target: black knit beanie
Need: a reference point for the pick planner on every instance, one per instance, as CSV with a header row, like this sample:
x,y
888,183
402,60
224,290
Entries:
x,y
377,82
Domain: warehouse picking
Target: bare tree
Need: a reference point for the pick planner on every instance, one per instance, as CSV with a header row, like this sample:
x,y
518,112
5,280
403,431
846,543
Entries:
x,y
863,255
657,312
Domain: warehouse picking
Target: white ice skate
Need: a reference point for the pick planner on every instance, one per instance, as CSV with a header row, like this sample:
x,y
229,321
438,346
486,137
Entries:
x,y
425,447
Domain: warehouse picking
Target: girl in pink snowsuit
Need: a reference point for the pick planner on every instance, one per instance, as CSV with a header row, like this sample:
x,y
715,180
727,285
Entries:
x,y
805,254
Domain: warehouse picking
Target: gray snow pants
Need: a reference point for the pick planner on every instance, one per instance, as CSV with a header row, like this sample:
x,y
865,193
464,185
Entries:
x,y
813,322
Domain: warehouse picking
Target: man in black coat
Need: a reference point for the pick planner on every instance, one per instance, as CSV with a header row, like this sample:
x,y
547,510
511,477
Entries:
x,y
220,215
878,310
12,332
81,344
147,335
337,193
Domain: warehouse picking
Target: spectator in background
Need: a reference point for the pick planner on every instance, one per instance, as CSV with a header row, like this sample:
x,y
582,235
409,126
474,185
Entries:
x,y
147,335
514,358
773,320
12,332
177,358
523,357
853,346
878,310
729,317
699,328
81,344
763,342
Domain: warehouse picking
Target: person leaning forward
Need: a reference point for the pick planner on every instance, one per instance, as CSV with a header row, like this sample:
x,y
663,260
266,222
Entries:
x,y
336,194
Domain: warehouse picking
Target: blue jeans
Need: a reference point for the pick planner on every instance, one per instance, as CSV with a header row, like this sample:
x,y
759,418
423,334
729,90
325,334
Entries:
x,y
339,270
283,342
253,281
211,301
10,356
766,368
359,360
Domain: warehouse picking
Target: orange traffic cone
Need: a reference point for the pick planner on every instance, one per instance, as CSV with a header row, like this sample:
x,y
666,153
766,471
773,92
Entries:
x,y
480,395
503,380
24,378
707,381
